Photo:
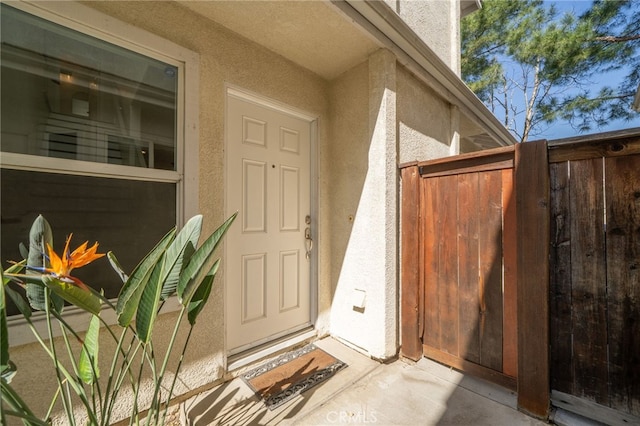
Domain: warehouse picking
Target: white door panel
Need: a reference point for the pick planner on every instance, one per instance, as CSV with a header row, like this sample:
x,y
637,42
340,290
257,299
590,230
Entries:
x,y
268,183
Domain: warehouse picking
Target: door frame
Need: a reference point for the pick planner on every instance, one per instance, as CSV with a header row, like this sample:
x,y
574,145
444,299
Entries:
x,y
274,343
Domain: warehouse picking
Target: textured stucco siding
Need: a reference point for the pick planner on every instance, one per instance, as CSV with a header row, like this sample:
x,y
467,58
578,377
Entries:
x,y
370,119
437,23
424,121
225,58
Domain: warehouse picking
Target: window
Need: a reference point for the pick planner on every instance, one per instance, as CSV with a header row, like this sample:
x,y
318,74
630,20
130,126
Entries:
x,y
93,134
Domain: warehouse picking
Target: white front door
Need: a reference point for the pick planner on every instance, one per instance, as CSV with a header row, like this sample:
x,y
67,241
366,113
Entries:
x,y
268,182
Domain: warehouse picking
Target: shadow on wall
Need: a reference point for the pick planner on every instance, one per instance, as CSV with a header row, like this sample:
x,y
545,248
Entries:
x,y
364,207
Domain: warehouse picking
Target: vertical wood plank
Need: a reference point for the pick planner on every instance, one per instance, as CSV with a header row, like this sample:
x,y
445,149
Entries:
x,y
431,231
509,247
560,280
448,264
588,276
468,261
490,245
532,212
622,188
411,345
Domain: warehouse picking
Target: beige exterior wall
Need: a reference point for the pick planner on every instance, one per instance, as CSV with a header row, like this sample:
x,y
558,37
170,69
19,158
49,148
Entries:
x,y
371,118
224,59
423,121
405,121
348,149
364,206
437,23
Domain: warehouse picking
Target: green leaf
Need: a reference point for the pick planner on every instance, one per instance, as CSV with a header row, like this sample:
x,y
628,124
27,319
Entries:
x,y
199,259
4,330
201,295
24,251
179,253
19,301
149,303
82,298
39,236
16,268
116,267
88,363
16,297
131,292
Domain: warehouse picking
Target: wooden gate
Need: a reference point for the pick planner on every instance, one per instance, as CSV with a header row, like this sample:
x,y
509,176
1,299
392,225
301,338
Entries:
x,y
469,303
474,280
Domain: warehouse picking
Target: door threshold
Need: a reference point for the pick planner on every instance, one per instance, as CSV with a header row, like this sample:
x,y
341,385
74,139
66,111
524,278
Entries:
x,y
265,350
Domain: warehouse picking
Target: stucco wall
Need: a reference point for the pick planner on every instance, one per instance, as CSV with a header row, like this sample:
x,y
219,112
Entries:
x,y
371,118
424,129
436,22
364,202
405,121
224,58
349,150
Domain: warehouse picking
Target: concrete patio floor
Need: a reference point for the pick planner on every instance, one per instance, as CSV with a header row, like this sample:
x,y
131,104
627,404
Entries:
x,y
366,392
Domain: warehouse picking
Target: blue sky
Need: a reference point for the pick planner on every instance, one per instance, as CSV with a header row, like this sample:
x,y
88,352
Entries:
x,y
561,129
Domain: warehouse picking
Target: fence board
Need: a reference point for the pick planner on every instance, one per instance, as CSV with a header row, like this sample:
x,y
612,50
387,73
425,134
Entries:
x,y
560,280
622,186
491,315
509,247
588,280
532,211
410,268
468,252
583,150
430,216
448,264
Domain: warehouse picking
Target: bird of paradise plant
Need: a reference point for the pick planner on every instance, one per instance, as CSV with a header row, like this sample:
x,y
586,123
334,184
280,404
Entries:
x,y
175,266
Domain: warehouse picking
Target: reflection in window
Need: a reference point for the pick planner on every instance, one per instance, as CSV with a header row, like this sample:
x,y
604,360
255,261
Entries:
x,y
68,98
126,217
68,95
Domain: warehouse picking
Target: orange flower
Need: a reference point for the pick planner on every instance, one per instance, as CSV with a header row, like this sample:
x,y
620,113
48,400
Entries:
x,y
61,267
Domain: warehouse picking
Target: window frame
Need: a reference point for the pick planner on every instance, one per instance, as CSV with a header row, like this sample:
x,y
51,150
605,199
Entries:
x,y
104,27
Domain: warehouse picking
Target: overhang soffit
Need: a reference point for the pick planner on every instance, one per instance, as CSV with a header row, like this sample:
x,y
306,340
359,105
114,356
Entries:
x,y
312,34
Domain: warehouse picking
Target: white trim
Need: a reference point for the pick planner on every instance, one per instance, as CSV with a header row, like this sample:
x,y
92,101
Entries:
x,y
96,24
242,360
314,283
20,333
89,21
36,163
263,101
190,124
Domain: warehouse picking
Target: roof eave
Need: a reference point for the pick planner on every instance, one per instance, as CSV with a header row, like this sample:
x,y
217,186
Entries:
x,y
391,31
469,6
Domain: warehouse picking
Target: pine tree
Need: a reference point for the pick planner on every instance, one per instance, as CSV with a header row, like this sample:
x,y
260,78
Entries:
x,y
532,65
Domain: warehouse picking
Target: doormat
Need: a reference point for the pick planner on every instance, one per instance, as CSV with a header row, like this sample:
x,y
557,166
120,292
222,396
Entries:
x,y
281,379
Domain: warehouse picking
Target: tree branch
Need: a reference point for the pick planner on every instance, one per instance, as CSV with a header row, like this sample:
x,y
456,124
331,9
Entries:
x,y
618,39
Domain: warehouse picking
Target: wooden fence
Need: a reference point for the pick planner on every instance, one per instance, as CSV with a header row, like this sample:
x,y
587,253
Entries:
x,y
522,265
595,277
